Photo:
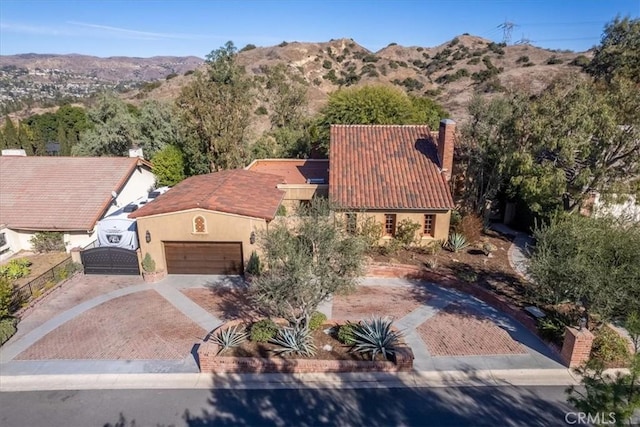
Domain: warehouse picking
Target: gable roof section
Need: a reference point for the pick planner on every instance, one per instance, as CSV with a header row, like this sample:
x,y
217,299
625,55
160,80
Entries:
x,y
294,171
60,193
236,191
386,167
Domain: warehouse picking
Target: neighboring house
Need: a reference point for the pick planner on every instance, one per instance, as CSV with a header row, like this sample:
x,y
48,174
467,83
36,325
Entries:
x,y
64,194
207,224
393,173
303,179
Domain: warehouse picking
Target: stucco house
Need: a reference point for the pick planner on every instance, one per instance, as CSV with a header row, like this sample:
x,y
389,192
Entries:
x,y
393,173
207,224
64,194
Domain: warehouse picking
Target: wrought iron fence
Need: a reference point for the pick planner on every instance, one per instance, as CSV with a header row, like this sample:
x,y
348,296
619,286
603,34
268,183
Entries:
x,y
46,280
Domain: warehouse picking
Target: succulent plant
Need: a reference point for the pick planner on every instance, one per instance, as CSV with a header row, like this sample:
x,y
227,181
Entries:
x,y
375,336
457,242
345,334
294,341
487,248
230,337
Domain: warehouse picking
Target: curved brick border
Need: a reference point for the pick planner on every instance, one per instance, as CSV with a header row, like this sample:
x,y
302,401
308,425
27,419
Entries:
x,y
210,362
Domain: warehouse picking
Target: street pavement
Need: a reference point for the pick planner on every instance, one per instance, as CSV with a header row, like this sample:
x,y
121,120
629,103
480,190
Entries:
x,y
407,406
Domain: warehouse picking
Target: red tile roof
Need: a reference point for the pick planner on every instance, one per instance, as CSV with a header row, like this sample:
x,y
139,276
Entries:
x,y
294,171
236,191
59,193
386,167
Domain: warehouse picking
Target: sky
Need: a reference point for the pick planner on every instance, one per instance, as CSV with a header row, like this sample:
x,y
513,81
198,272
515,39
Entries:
x,y
145,28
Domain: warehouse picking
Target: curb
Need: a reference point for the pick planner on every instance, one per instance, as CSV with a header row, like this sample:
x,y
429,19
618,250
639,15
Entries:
x,y
483,378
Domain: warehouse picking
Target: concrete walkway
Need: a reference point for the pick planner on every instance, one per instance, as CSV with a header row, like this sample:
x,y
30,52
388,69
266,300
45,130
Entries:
x,y
519,251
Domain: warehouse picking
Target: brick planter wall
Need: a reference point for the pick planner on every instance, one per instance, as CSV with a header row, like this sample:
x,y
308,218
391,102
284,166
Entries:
x,y
576,347
209,362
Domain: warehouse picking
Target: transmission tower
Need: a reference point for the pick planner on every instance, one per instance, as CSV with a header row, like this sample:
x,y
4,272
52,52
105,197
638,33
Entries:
x,y
507,28
524,40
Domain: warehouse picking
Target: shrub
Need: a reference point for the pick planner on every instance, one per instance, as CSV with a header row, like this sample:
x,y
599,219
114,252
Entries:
x,y
431,263
282,211
48,241
456,242
345,334
467,275
488,248
6,296
473,61
389,248
263,330
171,76
261,111
551,328
148,264
230,337
327,64
370,231
7,328
554,60
15,269
189,72
406,232
296,341
609,347
528,64
148,87
471,227
370,58
248,47
254,266
375,336
317,320
283,44
580,61
523,58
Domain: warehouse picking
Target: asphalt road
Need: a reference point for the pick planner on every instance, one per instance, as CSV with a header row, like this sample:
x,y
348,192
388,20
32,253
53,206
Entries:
x,y
446,406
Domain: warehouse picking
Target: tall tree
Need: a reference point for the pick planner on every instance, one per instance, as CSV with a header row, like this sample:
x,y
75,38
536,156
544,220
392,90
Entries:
x,y
618,54
286,94
306,263
159,127
9,134
168,166
113,130
216,108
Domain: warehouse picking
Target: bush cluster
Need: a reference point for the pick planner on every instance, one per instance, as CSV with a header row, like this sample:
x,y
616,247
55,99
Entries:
x,y
263,330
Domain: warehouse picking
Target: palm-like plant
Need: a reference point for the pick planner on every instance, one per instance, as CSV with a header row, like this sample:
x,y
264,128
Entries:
x,y
457,242
230,337
375,336
294,341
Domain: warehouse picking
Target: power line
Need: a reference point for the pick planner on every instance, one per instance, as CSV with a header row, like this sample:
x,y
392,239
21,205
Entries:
x,y
507,28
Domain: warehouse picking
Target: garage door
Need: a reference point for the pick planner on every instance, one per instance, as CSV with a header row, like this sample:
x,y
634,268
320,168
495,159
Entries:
x,y
203,257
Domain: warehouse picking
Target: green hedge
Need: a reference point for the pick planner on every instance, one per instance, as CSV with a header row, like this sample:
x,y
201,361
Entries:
x,y
7,328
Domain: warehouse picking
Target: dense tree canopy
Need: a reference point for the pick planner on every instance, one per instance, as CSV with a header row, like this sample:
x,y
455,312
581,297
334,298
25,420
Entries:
x,y
618,54
590,260
216,109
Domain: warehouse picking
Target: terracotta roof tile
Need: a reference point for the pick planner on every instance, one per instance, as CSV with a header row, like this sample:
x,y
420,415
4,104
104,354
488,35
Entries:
x,y
59,193
236,191
294,171
386,167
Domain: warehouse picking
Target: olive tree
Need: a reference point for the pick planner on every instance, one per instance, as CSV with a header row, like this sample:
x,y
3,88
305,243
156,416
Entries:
x,y
307,260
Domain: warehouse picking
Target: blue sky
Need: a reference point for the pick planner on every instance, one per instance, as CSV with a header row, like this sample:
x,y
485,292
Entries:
x,y
149,27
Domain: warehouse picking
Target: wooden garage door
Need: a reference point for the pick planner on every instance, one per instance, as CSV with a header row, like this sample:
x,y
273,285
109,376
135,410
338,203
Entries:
x,y
203,257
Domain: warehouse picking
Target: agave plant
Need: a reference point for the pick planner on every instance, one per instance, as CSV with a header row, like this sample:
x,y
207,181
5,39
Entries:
x,y
294,341
230,337
457,242
375,336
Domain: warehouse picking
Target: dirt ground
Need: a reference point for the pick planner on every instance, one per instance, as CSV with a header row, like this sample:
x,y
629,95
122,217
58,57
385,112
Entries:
x,y
492,272
40,263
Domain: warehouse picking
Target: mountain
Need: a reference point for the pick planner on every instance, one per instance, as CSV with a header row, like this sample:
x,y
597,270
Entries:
x,y
450,73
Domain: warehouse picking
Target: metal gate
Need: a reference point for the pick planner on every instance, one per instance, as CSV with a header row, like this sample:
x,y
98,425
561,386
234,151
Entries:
x,y
108,260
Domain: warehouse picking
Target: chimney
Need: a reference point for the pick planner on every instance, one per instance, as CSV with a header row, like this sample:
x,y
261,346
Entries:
x,y
446,137
14,152
136,151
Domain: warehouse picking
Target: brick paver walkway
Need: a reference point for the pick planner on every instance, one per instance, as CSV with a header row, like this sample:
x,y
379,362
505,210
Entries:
x,y
393,301
459,331
146,327
224,303
75,291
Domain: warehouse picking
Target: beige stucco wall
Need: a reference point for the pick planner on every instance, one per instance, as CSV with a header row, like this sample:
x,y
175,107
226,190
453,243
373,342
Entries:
x,y
441,230
178,227
294,193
